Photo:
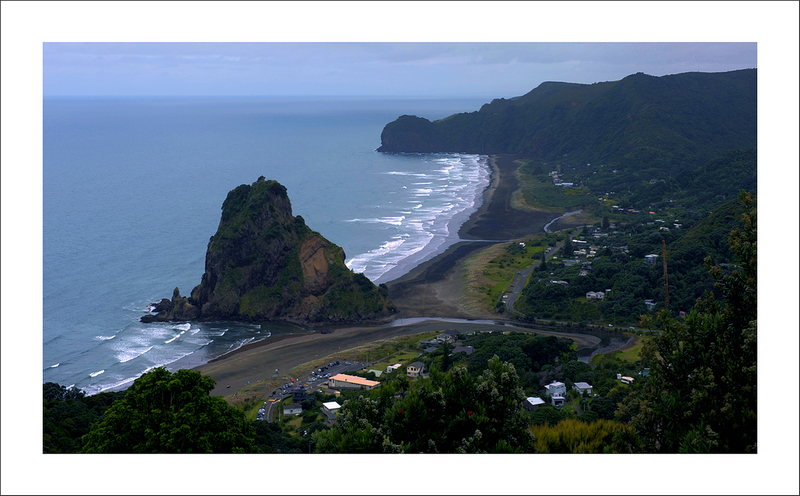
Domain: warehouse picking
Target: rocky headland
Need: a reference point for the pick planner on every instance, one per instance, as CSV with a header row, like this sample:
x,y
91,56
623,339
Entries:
x,y
264,264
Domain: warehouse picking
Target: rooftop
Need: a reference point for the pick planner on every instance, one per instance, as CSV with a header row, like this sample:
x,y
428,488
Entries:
x,y
352,379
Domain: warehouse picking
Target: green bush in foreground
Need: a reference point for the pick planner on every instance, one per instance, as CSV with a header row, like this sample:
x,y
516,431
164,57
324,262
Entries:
x,y
171,413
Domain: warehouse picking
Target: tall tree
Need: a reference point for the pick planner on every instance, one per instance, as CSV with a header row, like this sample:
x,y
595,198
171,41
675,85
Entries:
x,y
451,412
701,396
167,412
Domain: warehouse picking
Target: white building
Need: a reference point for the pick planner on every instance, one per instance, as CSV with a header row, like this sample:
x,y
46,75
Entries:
x,y
582,387
533,402
556,389
392,368
331,409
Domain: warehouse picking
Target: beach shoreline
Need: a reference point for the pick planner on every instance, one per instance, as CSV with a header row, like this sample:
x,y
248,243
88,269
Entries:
x,y
430,289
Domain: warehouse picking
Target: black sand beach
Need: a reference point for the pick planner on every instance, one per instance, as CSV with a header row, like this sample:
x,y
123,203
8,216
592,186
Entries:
x,y
433,289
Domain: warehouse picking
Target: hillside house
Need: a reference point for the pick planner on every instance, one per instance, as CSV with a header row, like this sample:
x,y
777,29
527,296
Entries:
x,y
582,387
463,349
415,369
556,391
392,368
595,295
533,402
650,260
330,410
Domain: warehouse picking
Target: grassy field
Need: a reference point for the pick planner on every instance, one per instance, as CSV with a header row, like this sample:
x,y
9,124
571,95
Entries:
x,y
489,273
383,350
629,354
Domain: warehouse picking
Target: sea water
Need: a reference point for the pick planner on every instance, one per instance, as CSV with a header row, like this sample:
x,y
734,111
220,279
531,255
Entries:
x,y
133,189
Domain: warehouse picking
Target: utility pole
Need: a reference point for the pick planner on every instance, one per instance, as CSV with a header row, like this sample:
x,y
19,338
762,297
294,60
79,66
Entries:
x,y
666,281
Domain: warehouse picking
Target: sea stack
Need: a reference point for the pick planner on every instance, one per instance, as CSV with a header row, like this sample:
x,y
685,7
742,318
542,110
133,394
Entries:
x,y
264,264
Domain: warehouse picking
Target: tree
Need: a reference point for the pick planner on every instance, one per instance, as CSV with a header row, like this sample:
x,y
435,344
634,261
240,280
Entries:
x,y
701,395
165,412
451,412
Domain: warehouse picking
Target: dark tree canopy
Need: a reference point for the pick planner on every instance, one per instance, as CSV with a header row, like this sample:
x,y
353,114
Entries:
x,y
701,396
167,412
452,412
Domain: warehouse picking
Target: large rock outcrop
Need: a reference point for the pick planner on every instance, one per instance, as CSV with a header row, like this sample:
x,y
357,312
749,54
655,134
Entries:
x,y
266,264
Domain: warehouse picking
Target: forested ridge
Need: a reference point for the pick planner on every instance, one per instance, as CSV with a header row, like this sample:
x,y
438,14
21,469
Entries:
x,y
609,136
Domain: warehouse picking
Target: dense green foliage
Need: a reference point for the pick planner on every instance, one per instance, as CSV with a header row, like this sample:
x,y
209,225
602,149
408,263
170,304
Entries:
x,y
451,412
613,136
68,415
620,267
164,412
701,395
661,121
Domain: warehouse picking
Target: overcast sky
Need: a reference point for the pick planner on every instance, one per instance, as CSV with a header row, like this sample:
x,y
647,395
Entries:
x,y
464,69
40,55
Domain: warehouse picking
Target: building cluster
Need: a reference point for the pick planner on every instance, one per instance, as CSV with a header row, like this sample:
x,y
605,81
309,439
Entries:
x,y
557,394
557,180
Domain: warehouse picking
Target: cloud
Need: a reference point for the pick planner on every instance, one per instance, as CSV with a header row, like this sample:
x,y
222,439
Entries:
x,y
408,68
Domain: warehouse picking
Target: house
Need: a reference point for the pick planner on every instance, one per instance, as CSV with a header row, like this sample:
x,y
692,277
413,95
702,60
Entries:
x,y
453,333
463,349
595,295
330,410
445,338
650,259
650,304
625,379
582,387
293,409
533,402
392,368
344,381
556,391
415,369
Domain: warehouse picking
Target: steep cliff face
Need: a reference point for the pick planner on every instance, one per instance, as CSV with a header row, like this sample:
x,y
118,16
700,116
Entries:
x,y
266,264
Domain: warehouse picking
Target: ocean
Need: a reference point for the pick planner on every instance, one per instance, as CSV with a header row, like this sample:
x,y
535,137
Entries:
x,y
132,192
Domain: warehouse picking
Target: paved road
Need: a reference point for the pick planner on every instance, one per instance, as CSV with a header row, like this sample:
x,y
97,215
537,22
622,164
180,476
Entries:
x,y
520,277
